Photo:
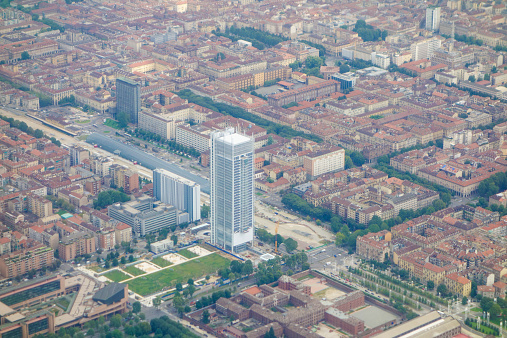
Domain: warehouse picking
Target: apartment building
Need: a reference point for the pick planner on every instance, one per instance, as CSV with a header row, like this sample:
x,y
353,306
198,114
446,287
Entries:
x,y
123,233
433,273
76,244
424,48
374,246
125,178
39,206
20,262
324,161
107,239
196,136
458,285
308,93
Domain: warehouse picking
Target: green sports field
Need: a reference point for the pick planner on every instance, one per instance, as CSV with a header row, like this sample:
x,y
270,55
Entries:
x,y
134,271
116,276
161,262
145,285
187,254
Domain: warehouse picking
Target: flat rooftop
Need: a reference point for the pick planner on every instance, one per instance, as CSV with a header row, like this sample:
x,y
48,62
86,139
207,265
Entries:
x,y
373,316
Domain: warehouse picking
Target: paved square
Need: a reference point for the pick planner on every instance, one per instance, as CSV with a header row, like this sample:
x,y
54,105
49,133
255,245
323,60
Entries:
x,y
374,316
315,284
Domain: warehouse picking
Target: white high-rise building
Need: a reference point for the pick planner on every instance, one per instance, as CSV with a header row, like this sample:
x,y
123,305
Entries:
x,y
425,48
232,190
178,191
433,18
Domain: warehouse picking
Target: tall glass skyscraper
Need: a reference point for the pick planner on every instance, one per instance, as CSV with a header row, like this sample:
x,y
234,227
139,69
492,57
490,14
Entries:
x,y
128,98
172,189
232,209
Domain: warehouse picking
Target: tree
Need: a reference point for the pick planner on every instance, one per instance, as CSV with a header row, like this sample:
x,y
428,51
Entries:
x,y
442,289
157,301
495,310
270,333
25,55
486,77
270,140
313,62
464,300
487,303
431,285
90,332
438,204
123,260
190,281
179,287
38,133
344,68
290,244
115,321
205,317
174,238
136,307
205,211
232,276
123,120
471,78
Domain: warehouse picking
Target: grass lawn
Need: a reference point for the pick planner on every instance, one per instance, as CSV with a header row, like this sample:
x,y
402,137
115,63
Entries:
x,y
476,309
258,193
112,123
161,262
63,303
145,285
107,131
309,276
82,137
96,268
134,271
187,254
116,276
83,121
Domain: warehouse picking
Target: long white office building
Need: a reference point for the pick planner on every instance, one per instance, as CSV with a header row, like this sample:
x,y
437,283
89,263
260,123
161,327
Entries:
x,y
178,191
232,208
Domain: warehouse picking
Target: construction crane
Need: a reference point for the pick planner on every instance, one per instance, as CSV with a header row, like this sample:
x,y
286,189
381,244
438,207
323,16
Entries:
x,y
276,236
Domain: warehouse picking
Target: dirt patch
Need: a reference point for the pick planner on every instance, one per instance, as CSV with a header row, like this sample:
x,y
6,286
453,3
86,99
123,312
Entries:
x,y
199,251
146,267
174,258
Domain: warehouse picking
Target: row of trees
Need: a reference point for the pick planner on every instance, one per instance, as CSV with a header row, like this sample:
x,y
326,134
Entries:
x,y
60,203
209,300
236,270
44,100
266,237
322,49
296,262
252,34
311,67
170,145
296,203
37,133
493,185
108,197
368,33
268,272
271,127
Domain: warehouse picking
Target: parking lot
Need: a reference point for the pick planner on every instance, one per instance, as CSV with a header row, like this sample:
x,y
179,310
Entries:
x,y
335,256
